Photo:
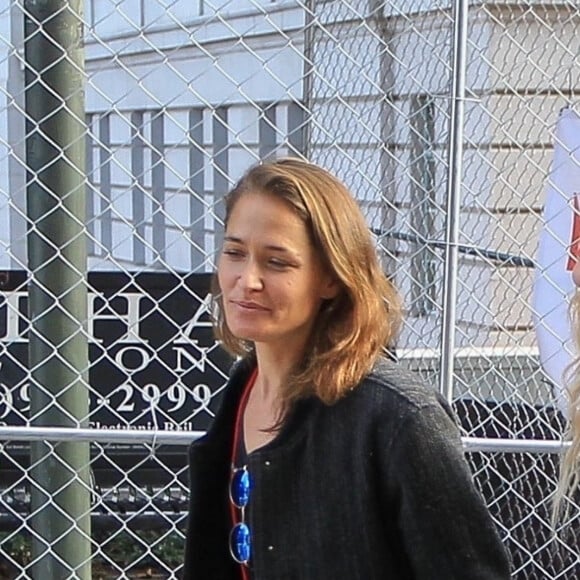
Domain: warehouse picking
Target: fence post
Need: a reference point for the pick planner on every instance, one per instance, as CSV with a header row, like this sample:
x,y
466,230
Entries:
x,y
454,181
57,256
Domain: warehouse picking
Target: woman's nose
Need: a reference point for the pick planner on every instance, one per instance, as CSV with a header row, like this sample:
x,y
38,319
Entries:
x,y
576,273
251,276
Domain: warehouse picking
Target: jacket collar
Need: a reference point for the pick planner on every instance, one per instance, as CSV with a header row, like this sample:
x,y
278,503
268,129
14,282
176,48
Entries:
x,y
220,431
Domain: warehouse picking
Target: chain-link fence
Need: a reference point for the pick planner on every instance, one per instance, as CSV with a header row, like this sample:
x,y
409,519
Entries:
x,y
439,115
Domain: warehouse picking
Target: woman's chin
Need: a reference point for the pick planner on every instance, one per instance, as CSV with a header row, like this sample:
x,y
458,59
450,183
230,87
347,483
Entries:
x,y
248,334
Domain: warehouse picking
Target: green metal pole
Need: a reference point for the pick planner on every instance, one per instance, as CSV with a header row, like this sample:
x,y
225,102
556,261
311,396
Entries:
x,y
58,346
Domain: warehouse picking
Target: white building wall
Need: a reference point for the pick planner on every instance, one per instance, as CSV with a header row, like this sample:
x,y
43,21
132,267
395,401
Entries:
x,y
203,96
4,146
510,112
181,100
12,145
508,130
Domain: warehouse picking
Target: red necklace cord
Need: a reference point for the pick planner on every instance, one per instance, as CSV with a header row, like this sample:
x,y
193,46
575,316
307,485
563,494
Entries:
x,y
236,438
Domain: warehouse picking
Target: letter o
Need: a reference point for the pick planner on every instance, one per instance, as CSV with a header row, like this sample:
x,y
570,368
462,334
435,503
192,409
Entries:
x,y
145,358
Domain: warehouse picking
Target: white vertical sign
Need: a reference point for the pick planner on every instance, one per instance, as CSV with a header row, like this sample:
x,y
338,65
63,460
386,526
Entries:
x,y
559,245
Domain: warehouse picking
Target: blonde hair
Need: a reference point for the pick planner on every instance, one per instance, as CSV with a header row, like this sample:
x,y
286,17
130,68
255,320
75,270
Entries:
x,y
351,329
569,480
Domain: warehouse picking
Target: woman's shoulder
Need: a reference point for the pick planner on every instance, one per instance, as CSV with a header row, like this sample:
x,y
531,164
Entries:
x,y
392,383
390,397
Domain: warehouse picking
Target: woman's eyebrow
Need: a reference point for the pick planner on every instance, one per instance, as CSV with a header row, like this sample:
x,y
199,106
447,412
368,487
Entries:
x,y
232,239
271,247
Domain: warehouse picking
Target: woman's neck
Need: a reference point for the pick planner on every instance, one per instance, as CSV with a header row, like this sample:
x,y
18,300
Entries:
x,y
265,405
274,369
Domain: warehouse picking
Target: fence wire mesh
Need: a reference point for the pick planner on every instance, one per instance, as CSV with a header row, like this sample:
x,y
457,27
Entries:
x,y
179,99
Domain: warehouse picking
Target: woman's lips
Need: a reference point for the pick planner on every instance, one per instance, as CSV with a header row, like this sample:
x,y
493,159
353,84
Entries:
x,y
248,305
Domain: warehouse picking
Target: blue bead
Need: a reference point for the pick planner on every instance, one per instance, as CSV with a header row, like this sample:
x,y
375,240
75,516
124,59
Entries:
x,y
240,542
240,489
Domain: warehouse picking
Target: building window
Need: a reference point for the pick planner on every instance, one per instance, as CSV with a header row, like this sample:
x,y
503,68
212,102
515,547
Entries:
x,y
423,205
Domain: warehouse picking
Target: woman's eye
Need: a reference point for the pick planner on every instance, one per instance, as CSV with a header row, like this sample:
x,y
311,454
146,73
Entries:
x,y
278,263
233,253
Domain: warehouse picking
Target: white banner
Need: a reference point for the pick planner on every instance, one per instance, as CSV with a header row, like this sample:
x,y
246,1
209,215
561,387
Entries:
x,y
558,246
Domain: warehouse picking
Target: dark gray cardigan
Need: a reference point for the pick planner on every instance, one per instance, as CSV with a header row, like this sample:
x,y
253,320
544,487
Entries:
x,y
374,487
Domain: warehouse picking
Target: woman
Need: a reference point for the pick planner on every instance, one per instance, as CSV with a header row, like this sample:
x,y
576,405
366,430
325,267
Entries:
x,y
570,467
325,460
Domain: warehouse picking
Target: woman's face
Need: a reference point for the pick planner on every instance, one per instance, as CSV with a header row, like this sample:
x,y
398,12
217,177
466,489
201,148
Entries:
x,y
271,278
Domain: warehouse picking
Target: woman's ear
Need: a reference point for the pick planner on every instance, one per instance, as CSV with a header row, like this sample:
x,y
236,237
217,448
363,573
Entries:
x,y
330,288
